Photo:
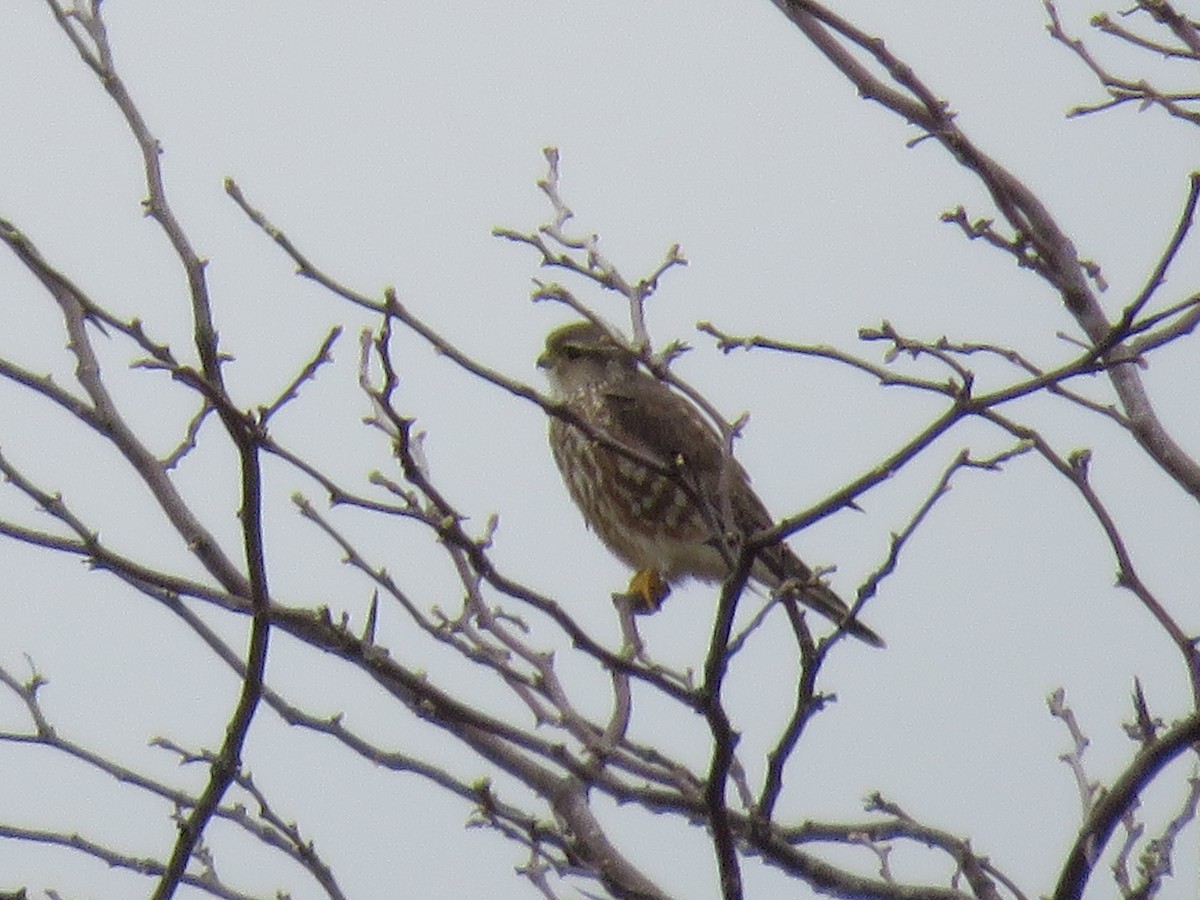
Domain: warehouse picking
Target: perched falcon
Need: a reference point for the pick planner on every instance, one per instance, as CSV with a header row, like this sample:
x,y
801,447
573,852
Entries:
x,y
666,521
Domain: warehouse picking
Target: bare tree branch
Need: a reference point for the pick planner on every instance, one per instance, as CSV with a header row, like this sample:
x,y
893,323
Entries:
x,y
1109,807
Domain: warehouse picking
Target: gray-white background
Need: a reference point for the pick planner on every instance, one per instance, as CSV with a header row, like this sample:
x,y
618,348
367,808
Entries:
x,y
388,139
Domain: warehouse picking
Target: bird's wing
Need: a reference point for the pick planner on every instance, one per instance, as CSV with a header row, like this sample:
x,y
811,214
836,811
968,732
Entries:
x,y
651,418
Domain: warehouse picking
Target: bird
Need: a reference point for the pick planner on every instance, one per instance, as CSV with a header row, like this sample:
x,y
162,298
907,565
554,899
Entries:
x,y
652,478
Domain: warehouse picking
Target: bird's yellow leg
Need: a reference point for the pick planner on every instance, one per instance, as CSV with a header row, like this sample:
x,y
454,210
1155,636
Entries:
x,y
648,589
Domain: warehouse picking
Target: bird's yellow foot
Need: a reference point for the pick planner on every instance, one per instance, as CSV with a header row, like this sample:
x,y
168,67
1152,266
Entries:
x,y
648,589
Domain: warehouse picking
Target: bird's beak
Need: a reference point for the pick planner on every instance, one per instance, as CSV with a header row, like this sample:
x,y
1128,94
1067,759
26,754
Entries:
x,y
543,361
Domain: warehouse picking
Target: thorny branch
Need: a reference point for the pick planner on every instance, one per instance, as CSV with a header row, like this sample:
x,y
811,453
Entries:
x,y
267,828
1125,90
963,403
1104,809
1047,249
587,756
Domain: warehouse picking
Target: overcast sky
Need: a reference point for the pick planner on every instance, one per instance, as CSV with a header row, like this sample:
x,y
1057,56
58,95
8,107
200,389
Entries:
x,y
388,139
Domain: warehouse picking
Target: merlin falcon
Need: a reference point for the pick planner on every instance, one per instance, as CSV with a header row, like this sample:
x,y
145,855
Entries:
x,y
662,505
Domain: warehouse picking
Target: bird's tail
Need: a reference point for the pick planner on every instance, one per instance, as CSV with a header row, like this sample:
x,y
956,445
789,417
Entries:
x,y
817,596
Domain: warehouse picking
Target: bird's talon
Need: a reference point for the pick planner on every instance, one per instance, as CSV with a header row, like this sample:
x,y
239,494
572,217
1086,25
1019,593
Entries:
x,y
648,590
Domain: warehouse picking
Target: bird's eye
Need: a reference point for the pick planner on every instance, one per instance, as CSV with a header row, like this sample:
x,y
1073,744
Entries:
x,y
572,352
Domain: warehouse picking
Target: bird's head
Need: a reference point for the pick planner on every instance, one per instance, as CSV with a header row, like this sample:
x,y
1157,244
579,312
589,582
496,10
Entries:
x,y
580,354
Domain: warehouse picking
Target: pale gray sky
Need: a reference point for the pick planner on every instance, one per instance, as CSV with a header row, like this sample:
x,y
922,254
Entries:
x,y
388,139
